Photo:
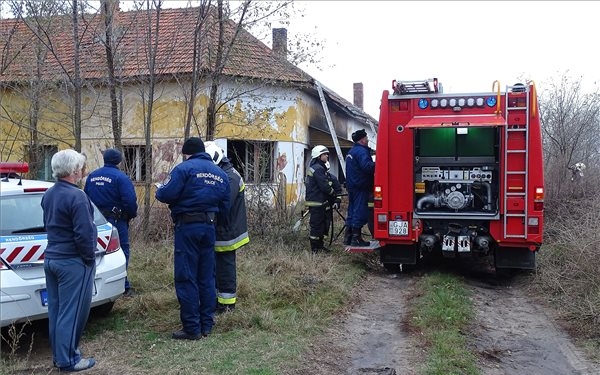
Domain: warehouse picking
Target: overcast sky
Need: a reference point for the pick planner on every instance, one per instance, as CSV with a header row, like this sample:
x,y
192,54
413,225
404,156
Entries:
x,y
466,45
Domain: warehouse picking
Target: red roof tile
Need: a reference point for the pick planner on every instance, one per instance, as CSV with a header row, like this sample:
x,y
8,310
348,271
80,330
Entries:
x,y
248,58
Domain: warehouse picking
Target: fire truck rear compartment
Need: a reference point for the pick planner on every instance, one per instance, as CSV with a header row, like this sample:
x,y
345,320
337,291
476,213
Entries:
x,y
456,171
456,188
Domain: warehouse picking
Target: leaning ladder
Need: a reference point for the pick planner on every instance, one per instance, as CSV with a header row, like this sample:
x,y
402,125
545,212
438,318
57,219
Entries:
x,y
516,161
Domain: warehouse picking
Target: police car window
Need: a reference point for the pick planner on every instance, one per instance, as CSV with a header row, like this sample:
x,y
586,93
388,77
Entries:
x,y
18,213
98,218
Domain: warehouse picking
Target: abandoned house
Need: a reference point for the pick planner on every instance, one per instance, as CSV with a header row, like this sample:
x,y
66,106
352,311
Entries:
x,y
165,75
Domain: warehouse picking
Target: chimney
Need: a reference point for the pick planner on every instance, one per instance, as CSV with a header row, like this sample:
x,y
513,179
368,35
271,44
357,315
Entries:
x,y
358,95
280,42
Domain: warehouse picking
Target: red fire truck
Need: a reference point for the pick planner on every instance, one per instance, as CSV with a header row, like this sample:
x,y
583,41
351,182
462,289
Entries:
x,y
459,174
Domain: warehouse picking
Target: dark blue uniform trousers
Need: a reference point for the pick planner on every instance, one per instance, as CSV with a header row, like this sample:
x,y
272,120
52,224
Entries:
x,y
195,276
70,284
358,210
123,229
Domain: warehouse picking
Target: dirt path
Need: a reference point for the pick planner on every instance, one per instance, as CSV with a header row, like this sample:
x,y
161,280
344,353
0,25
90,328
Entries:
x,y
512,334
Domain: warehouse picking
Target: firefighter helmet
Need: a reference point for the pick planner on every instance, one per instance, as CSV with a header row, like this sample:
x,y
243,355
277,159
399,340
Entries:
x,y
216,153
318,151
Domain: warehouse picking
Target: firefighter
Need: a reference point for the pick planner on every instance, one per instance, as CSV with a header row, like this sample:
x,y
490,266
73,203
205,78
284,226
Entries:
x,y
360,172
232,232
322,194
196,191
113,193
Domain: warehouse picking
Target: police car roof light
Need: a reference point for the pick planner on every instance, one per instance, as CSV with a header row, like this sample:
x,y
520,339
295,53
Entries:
x,y
14,167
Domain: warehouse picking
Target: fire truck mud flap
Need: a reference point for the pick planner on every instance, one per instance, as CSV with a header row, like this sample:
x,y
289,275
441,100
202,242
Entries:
x,y
514,257
398,254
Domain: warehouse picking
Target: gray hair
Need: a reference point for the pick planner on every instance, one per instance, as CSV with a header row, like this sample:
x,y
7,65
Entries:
x,y
66,162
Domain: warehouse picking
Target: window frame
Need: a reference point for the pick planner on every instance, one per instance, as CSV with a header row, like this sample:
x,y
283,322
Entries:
x,y
246,154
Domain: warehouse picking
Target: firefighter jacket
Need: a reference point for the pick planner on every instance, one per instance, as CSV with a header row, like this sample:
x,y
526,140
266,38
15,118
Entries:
x,y
360,169
195,186
322,187
233,232
112,192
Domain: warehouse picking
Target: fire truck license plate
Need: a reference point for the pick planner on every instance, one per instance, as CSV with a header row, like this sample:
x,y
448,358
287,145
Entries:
x,y
398,228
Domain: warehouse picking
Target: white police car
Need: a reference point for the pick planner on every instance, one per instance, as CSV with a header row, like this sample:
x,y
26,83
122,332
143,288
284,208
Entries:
x,y
23,239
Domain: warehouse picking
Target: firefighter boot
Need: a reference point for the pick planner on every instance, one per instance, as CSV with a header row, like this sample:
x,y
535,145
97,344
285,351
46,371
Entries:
x,y
357,239
223,308
347,236
315,245
322,246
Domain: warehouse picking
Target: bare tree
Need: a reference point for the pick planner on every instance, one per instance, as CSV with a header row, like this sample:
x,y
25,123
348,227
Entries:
x,y
108,12
571,134
31,54
200,36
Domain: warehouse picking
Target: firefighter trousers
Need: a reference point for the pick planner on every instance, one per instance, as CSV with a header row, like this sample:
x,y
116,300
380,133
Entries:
x,y
319,222
226,277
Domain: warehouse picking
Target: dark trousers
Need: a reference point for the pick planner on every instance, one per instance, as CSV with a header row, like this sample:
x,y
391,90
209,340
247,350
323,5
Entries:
x,y
358,210
123,229
195,276
226,277
70,285
319,222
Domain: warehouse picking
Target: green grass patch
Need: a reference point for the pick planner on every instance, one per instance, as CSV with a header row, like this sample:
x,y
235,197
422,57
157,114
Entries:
x,y
441,313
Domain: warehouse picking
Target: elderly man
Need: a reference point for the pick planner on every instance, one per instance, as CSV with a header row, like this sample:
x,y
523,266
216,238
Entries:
x,y
69,260
196,191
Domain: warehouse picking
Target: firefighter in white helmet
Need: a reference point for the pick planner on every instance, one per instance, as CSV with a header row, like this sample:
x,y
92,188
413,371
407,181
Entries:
x,y
322,194
232,232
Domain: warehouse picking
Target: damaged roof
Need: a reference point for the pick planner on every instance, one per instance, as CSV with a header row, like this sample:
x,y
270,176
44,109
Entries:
x,y
249,57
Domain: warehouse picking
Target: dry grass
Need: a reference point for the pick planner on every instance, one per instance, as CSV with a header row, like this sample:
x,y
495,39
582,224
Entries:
x,y
568,266
286,295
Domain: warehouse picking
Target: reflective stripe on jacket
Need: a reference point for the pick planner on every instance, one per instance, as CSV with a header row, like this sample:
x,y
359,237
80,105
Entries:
x,y
233,232
321,186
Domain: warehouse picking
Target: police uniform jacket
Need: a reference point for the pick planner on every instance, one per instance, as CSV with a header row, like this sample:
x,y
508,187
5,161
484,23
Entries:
x,y
108,187
196,185
360,169
233,232
321,186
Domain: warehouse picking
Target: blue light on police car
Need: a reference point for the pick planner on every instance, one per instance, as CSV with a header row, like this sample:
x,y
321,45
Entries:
x,y
490,101
423,103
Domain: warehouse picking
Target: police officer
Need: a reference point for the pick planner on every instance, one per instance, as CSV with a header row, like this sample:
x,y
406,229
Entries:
x,y
360,174
113,193
196,191
322,193
232,233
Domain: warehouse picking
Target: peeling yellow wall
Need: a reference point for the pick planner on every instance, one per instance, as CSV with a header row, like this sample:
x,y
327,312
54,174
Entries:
x,y
275,114
54,125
